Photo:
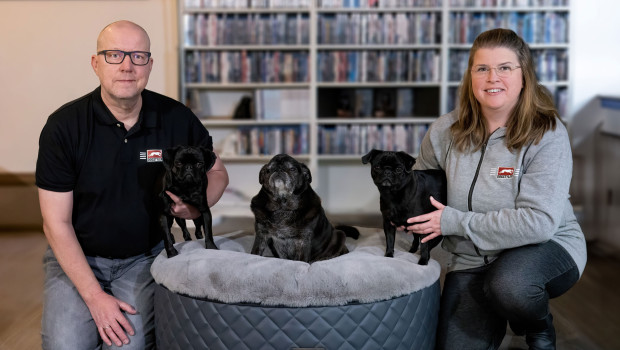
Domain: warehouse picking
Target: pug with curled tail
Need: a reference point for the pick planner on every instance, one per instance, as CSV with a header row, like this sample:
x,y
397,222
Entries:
x,y
289,218
405,193
186,176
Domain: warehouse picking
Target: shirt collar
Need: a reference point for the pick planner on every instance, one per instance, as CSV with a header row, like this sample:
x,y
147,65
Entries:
x,y
498,133
149,118
149,114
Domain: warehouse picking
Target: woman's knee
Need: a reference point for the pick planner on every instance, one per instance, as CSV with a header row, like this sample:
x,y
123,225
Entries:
x,y
521,296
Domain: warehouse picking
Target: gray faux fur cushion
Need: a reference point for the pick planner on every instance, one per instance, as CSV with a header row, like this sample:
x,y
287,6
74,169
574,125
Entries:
x,y
232,275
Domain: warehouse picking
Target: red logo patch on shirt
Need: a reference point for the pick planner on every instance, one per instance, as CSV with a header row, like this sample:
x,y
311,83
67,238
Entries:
x,y
505,173
153,155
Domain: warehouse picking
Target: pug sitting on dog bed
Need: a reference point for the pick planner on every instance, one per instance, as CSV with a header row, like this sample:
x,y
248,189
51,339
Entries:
x,y
289,218
405,193
186,176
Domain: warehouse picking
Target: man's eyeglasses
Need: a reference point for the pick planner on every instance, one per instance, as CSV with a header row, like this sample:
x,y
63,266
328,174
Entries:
x,y
502,71
139,58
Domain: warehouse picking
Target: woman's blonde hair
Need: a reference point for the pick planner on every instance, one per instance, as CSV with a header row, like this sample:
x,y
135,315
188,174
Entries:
x,y
532,116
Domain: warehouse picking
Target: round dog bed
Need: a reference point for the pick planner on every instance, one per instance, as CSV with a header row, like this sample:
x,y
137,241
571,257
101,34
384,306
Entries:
x,y
229,299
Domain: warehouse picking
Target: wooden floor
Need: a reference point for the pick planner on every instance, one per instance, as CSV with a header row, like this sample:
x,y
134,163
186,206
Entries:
x,y
21,289
586,318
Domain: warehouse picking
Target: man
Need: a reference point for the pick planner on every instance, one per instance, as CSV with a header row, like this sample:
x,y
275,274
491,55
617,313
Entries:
x,y
97,169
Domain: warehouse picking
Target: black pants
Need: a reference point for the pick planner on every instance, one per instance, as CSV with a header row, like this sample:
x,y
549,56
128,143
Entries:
x,y
516,287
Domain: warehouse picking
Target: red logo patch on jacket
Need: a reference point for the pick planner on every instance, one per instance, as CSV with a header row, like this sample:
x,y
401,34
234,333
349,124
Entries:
x,y
505,172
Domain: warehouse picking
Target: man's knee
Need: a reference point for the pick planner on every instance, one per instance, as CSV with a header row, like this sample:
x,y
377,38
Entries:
x,y
144,328
66,322
58,335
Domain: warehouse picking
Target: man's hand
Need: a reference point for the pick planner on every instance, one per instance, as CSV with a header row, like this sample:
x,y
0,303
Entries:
x,y
112,325
182,210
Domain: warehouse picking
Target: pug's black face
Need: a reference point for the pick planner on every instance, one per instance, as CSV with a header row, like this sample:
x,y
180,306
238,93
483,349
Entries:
x,y
188,164
389,170
284,176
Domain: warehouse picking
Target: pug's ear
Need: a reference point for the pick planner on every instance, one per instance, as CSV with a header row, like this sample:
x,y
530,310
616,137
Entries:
x,y
407,159
261,173
306,172
209,156
370,156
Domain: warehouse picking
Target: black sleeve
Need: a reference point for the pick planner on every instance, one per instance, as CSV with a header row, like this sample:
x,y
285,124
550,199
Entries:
x,y
55,169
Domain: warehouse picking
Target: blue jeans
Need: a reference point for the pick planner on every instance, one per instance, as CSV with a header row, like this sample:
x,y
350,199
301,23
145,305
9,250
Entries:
x,y
67,322
516,287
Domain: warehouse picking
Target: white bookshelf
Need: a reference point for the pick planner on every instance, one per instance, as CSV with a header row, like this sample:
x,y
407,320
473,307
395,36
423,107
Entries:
x,y
338,176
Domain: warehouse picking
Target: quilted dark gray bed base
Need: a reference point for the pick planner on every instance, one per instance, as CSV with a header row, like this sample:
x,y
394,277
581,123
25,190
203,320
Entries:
x,y
406,322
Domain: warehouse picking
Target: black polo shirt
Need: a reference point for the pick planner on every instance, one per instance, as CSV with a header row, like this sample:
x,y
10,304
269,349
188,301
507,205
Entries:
x,y
112,172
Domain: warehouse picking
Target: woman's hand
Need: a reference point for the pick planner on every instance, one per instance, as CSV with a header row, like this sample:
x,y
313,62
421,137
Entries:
x,y
182,210
427,224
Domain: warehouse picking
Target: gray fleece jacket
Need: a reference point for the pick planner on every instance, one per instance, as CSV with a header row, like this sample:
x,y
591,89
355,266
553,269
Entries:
x,y
498,199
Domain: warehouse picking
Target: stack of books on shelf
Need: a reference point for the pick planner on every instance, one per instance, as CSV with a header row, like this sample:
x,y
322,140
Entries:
x,y
508,3
377,3
378,66
246,67
360,139
534,27
246,29
560,96
379,28
270,140
551,65
241,4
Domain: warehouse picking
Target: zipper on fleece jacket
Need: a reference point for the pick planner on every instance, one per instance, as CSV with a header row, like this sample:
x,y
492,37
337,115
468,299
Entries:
x,y
471,191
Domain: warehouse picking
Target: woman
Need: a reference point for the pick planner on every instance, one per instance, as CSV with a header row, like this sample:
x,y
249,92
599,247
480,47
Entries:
x,y
510,227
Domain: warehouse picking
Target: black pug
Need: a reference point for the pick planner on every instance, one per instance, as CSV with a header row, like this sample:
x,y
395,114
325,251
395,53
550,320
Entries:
x,y
405,193
289,218
186,176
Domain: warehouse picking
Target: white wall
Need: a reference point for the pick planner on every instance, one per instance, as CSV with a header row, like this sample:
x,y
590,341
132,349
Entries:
x,y
595,35
45,49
